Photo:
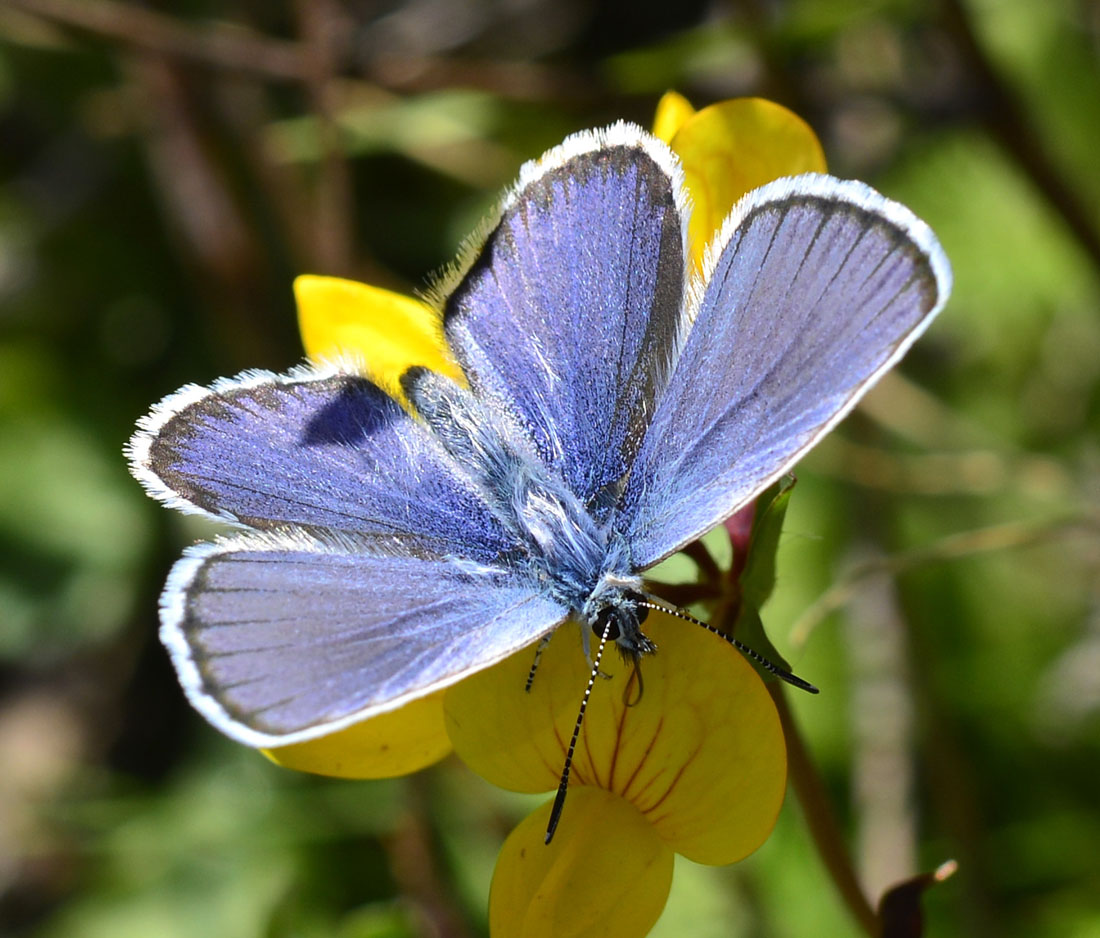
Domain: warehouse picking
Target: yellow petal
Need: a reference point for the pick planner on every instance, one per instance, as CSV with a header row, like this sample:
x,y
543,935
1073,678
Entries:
x,y
384,332
673,110
701,755
385,746
734,146
507,735
606,874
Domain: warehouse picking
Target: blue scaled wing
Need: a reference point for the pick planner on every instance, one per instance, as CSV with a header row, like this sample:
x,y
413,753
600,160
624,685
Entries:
x,y
322,451
279,638
571,313
813,289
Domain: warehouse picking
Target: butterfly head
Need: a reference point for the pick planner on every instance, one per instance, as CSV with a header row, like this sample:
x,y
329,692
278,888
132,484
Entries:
x,y
618,612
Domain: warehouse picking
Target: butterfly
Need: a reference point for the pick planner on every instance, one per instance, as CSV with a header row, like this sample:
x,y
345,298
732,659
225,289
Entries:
x,y
617,404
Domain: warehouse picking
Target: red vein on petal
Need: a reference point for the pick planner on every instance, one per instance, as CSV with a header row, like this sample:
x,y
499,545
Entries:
x,y
637,796
557,736
549,766
642,762
618,745
672,786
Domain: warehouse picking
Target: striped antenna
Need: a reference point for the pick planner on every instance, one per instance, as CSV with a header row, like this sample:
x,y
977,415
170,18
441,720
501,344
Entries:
x,y
559,799
765,663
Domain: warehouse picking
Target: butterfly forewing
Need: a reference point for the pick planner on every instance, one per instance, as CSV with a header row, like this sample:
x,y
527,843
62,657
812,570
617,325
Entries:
x,y
283,638
571,314
815,287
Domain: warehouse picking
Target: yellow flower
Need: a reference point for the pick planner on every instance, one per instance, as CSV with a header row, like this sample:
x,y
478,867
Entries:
x,y
697,765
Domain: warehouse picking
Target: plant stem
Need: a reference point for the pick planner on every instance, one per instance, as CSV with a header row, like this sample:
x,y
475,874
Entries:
x,y
822,823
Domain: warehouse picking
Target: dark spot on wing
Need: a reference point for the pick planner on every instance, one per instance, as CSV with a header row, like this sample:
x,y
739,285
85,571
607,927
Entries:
x,y
359,410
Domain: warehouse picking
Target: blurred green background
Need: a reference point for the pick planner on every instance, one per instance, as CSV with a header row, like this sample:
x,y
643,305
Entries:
x,y
165,171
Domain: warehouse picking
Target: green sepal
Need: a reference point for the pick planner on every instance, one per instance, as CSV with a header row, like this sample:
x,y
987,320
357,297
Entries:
x,y
757,580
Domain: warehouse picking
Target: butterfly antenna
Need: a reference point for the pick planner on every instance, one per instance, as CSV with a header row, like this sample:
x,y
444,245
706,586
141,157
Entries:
x,y
765,663
543,642
559,799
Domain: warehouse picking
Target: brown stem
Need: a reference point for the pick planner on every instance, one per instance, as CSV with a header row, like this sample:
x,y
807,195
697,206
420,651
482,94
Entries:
x,y
236,48
822,823
417,867
708,567
683,594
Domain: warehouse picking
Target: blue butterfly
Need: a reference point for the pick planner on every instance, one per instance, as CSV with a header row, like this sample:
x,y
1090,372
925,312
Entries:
x,y
617,407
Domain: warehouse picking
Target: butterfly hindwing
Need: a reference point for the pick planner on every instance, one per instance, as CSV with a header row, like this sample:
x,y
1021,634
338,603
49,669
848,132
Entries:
x,y
814,287
282,638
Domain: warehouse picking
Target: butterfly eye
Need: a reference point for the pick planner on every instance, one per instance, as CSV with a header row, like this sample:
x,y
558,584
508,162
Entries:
x,y
625,617
607,623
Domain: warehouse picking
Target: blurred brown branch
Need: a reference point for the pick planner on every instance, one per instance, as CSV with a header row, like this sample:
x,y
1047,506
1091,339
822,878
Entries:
x,y
1012,535
1005,117
235,48
239,49
321,24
